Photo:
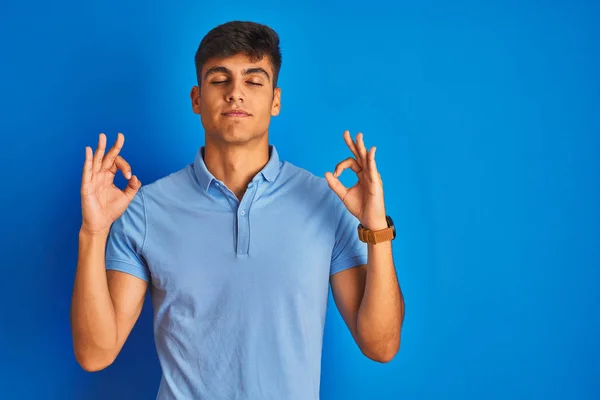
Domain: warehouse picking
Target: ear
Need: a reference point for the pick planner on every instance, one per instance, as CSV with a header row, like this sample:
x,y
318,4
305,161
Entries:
x,y
276,106
195,98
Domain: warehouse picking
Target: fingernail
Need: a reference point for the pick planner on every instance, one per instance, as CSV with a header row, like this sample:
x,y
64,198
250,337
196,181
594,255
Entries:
x,y
128,176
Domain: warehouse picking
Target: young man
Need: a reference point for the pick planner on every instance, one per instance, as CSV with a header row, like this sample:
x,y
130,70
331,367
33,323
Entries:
x,y
238,248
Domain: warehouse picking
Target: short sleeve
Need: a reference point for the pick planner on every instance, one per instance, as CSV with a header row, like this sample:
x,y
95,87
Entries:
x,y
348,250
125,244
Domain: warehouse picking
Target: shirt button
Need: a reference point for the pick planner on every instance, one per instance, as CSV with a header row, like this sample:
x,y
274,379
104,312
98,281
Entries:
x,y
243,213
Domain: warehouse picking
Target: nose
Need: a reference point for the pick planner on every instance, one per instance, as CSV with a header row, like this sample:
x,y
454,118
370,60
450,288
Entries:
x,y
235,92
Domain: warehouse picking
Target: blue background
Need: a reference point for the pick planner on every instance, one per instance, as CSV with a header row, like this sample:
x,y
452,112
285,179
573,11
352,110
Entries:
x,y
486,119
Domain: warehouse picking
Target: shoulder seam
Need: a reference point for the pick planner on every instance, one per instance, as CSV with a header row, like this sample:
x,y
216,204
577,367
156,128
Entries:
x,y
145,222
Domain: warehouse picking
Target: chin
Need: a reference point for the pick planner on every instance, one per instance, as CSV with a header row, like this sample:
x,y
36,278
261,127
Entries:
x,y
234,136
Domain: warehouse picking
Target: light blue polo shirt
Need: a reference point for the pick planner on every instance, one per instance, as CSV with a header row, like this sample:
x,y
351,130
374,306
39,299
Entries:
x,y
239,288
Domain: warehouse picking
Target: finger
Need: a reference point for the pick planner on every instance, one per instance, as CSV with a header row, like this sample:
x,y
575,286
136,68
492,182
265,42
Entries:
x,y
87,166
351,144
362,150
132,187
109,160
349,162
334,183
123,166
373,174
97,164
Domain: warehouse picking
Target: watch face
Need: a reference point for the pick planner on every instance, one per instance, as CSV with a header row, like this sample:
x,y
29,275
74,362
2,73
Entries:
x,y
391,224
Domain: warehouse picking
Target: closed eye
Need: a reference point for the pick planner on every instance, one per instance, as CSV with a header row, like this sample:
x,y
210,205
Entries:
x,y
221,82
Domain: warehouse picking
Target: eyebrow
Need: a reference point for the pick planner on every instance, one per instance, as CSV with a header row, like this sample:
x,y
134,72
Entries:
x,y
253,70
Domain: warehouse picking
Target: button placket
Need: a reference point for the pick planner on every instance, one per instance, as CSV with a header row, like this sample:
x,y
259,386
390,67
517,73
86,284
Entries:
x,y
243,222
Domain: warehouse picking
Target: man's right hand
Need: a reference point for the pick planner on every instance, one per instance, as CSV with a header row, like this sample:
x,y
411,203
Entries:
x,y
101,201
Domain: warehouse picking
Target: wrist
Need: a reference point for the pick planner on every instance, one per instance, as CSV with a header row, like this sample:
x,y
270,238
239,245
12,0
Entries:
x,y
376,225
87,234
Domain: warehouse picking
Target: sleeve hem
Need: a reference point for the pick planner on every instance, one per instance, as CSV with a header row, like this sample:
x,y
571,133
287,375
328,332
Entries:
x,y
129,268
346,263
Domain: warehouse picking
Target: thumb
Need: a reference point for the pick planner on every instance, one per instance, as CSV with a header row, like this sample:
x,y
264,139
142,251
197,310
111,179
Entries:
x,y
336,185
133,186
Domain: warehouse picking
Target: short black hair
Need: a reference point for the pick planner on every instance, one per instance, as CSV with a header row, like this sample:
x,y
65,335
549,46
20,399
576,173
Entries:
x,y
253,39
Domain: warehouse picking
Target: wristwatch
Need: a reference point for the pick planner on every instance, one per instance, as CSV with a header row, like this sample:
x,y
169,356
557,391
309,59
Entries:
x,y
374,237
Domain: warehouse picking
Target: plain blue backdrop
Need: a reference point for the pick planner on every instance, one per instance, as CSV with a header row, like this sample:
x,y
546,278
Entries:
x,y
486,120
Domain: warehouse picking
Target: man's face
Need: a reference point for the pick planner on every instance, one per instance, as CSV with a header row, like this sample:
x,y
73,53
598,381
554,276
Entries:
x,y
236,99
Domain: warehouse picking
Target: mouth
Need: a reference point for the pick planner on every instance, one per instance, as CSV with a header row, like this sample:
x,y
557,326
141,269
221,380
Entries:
x,y
236,114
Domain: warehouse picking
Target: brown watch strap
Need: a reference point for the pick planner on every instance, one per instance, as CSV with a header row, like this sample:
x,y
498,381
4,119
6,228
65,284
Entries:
x,y
374,237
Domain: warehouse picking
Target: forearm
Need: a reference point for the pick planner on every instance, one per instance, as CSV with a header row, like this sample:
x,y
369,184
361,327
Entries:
x,y
381,310
93,321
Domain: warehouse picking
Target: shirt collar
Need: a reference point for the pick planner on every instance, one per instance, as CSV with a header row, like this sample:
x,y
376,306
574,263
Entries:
x,y
269,171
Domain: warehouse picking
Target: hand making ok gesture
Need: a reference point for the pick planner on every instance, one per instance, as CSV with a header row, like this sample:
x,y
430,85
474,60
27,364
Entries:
x,y
365,199
101,201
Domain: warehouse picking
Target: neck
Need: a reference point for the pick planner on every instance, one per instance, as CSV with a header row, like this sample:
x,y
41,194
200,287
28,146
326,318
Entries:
x,y
235,166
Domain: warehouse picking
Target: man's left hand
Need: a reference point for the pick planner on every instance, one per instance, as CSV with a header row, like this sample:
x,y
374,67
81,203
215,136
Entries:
x,y
365,199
